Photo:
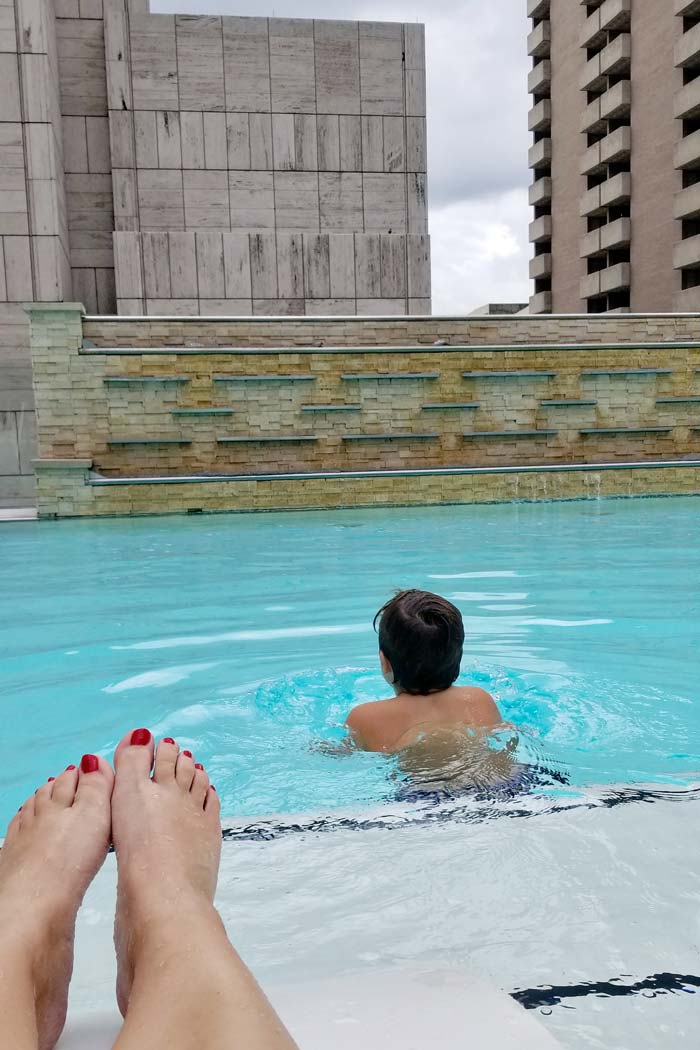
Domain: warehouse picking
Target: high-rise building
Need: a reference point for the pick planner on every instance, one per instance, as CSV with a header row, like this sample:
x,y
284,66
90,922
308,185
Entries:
x,y
615,155
174,164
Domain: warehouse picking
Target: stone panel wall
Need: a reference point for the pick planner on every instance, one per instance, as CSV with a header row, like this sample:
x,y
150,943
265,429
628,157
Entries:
x,y
302,142
138,399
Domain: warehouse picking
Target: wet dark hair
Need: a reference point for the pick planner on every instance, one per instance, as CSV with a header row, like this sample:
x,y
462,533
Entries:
x,y
422,637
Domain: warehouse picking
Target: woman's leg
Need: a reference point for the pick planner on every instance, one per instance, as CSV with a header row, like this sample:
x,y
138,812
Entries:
x,y
53,849
181,985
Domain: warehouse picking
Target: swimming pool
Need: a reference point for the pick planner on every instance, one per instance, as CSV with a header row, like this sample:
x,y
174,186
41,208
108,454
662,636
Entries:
x,y
249,637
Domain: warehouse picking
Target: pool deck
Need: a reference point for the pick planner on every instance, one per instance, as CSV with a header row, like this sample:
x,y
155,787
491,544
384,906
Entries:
x,y
389,1010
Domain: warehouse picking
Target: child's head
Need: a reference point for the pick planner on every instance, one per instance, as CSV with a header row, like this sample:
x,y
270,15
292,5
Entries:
x,y
422,636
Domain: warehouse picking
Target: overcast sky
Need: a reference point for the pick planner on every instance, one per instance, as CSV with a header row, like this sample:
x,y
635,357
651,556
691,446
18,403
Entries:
x,y
477,133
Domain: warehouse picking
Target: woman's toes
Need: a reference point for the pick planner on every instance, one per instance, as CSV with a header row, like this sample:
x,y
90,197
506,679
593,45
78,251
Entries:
x,y
184,770
200,785
42,797
212,806
166,760
95,782
64,786
134,754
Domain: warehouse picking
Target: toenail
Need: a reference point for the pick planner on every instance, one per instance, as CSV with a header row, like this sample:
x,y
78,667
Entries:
x,y
187,754
89,763
168,740
141,737
198,765
50,780
212,787
69,767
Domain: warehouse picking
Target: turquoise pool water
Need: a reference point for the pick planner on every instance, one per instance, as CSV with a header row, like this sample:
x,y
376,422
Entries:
x,y
249,638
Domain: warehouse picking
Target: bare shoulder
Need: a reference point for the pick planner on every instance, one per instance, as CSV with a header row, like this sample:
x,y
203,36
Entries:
x,y
481,705
366,723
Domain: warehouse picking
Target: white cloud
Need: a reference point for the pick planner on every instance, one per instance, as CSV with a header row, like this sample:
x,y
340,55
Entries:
x,y
477,133
480,253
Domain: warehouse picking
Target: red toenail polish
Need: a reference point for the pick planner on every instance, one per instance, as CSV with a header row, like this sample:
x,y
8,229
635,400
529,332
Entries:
x,y
198,765
50,780
141,736
212,787
89,763
168,740
187,754
69,767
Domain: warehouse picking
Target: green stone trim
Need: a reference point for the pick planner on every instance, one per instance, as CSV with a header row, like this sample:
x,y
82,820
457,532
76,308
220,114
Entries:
x,y
508,375
448,405
129,380
202,412
474,434
265,379
568,404
627,372
331,408
678,401
390,437
382,377
252,439
626,430
119,442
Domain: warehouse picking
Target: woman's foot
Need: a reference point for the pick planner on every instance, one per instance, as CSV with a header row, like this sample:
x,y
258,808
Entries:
x,y
54,847
167,835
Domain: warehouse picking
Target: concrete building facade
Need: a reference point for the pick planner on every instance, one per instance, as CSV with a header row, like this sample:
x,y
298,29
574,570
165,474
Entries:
x,y
615,156
162,164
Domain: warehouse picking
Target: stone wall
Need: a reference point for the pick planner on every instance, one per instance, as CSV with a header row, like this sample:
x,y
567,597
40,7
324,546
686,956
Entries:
x,y
267,166
352,407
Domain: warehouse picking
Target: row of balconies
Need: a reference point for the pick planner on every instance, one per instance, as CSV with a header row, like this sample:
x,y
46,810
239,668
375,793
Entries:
x,y
606,238
540,39
541,303
539,78
615,190
603,282
686,254
686,205
537,8
612,149
613,104
611,15
613,59
686,8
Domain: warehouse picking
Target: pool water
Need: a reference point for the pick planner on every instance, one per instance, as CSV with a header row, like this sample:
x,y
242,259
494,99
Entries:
x,y
248,638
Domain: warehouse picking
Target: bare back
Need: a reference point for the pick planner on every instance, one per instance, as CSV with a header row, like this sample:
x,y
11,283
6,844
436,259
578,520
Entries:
x,y
391,726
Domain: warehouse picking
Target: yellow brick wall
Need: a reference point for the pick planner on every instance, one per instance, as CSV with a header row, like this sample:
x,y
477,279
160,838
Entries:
x,y
138,428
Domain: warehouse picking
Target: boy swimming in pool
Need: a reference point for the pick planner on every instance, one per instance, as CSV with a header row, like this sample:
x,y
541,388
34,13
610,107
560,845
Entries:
x,y
439,730
421,640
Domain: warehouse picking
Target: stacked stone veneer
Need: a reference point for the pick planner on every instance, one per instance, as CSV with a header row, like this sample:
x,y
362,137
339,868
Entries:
x,y
267,166
510,402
